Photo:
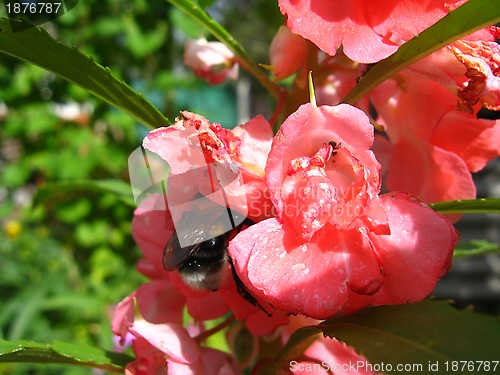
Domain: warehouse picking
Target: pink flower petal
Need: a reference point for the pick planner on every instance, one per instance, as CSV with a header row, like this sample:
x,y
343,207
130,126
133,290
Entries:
x,y
333,356
429,172
207,306
416,254
170,339
212,61
481,60
151,228
149,360
314,278
123,317
287,53
306,130
474,140
159,302
368,31
256,137
178,145
216,362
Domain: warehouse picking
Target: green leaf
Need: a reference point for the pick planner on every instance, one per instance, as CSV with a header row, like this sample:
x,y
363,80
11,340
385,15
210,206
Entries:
x,y
482,205
470,17
63,353
192,9
36,46
423,333
54,189
475,247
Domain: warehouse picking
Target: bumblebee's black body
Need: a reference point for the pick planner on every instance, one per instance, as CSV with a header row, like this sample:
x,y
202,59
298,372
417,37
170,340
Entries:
x,y
205,265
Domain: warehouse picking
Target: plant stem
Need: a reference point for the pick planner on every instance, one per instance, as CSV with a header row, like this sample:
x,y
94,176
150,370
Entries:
x,y
205,335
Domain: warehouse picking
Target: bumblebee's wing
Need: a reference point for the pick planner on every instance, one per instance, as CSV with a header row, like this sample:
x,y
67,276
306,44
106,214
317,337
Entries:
x,y
174,255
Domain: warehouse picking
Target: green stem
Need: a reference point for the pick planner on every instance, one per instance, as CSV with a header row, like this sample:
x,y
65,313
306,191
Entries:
x,y
205,335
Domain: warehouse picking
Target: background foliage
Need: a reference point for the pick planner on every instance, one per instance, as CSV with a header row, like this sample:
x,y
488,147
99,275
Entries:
x,y
66,255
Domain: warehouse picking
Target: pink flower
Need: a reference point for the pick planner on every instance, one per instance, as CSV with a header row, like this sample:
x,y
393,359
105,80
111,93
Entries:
x,y
212,61
482,61
160,343
469,67
182,354
168,349
432,152
368,31
287,53
246,145
324,355
335,78
149,360
327,355
193,143
336,245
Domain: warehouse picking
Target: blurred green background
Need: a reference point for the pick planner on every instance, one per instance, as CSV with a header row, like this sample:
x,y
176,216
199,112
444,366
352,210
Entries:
x,y
66,251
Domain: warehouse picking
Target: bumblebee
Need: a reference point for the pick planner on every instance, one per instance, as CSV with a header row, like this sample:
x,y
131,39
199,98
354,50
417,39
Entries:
x,y
203,265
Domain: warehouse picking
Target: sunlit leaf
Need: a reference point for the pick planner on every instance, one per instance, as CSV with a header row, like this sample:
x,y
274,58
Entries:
x,y
62,353
470,17
34,45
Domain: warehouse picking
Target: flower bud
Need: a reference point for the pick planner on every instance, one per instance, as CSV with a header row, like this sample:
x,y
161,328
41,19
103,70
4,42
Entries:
x,y
211,61
287,53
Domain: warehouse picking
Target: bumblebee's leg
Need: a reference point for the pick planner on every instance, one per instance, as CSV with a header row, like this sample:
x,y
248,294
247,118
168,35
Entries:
x,y
242,290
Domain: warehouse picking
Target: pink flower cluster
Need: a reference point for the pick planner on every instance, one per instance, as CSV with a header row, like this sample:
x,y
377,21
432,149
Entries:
x,y
338,212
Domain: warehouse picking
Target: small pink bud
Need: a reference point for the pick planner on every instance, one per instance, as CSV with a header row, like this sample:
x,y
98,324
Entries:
x,y
287,53
211,61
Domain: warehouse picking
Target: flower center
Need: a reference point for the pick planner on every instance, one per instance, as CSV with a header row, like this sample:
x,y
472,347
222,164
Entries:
x,y
307,192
